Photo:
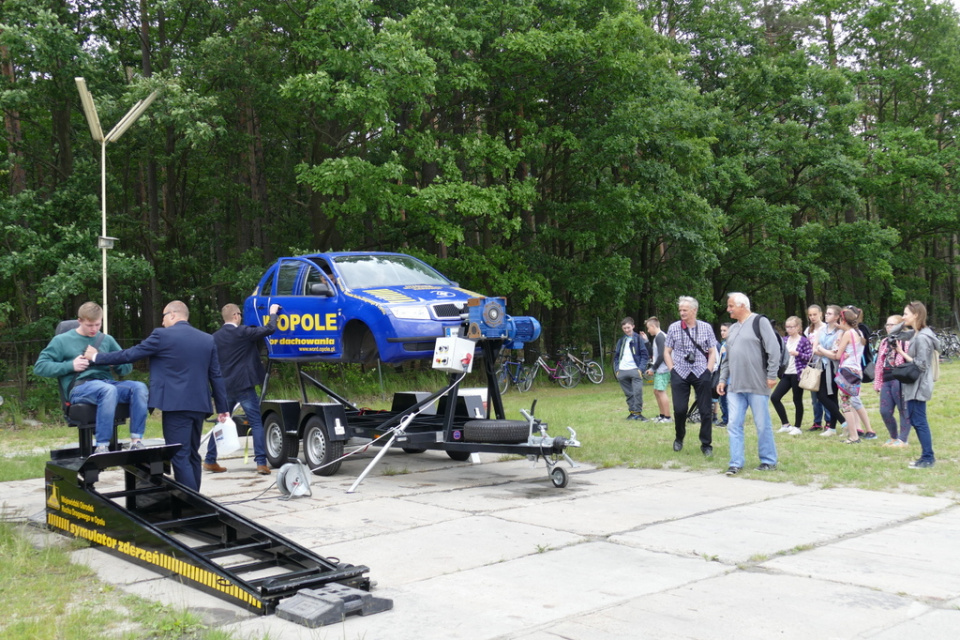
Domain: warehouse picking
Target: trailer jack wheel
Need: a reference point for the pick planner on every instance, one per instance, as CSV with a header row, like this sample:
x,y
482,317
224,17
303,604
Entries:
x,y
559,477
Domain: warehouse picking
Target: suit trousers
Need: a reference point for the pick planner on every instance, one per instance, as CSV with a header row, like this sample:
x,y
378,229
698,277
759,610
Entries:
x,y
185,427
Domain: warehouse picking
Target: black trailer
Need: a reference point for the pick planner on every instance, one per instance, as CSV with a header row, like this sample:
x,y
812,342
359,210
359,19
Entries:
x,y
159,523
459,426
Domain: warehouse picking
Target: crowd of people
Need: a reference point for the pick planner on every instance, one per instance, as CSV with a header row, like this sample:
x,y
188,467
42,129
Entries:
x,y
752,365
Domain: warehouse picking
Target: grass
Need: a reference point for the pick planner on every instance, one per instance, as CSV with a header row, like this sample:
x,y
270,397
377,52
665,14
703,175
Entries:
x,y
31,580
598,413
38,606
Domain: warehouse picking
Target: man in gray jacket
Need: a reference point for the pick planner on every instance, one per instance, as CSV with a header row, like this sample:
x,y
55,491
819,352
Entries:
x,y
746,381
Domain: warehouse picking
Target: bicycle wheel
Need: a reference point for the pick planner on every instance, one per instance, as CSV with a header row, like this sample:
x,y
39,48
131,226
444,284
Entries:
x,y
503,379
568,375
532,372
527,374
594,372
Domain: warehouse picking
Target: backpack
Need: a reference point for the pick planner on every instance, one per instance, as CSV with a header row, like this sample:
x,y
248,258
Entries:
x,y
763,352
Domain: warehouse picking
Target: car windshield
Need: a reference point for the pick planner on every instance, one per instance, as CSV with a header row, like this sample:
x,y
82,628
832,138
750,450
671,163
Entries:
x,y
364,272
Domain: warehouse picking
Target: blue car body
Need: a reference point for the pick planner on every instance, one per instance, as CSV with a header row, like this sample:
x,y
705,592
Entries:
x,y
356,307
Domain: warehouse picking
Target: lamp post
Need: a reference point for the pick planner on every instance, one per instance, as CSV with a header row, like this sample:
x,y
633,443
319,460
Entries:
x,y
105,242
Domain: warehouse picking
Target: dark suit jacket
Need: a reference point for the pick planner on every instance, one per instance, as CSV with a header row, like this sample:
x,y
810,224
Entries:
x,y
184,369
238,350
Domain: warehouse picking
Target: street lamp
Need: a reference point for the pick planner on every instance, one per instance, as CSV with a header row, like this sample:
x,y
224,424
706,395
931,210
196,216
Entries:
x,y
105,242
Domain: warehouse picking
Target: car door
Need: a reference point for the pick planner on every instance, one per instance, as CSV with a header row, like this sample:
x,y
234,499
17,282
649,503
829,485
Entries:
x,y
309,323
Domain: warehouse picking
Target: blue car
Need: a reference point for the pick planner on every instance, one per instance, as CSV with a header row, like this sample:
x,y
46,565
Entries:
x,y
356,307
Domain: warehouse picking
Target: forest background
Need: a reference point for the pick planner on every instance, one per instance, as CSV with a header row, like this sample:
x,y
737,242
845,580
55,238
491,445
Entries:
x,y
587,159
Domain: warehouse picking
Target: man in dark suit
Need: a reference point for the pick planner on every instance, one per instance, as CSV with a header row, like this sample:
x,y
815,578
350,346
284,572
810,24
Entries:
x,y
184,371
242,369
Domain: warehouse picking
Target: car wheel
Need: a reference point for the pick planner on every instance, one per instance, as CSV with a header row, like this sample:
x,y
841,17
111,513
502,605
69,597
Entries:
x,y
280,447
496,431
322,454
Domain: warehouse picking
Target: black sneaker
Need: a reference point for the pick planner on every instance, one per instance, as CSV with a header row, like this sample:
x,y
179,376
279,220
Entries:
x,y
816,427
921,464
641,418
707,451
732,471
677,446
766,467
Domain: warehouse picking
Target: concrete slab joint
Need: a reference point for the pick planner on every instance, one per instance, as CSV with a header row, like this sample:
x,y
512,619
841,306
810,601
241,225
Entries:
x,y
329,605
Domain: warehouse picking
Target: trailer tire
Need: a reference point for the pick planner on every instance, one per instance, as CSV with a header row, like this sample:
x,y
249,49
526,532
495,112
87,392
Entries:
x,y
319,450
459,456
412,450
279,446
496,431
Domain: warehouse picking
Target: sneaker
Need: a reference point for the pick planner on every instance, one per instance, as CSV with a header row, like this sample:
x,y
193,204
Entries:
x,y
766,467
641,418
707,451
103,448
732,471
889,442
722,423
785,428
632,416
795,431
828,432
677,446
897,444
870,435
921,464
816,427
134,446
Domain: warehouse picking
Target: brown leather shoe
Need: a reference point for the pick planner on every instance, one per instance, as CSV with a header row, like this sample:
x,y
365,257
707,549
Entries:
x,y
263,469
213,468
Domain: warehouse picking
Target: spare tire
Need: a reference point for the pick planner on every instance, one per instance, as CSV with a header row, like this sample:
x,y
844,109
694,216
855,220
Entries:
x,y
496,431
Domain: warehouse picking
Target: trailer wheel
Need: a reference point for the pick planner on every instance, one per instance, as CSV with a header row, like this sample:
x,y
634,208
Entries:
x,y
280,447
413,450
459,456
559,477
496,431
319,450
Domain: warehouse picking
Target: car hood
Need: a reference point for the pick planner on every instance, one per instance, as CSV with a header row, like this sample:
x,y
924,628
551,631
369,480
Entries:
x,y
412,294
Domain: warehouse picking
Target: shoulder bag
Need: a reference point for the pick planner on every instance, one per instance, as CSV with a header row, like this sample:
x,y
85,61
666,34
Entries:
x,y
810,377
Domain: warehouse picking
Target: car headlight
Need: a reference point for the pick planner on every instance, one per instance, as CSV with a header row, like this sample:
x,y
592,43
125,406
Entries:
x,y
411,313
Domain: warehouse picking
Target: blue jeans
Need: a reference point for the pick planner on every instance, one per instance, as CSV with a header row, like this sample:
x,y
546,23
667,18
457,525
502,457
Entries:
x,y
107,394
917,409
760,408
250,401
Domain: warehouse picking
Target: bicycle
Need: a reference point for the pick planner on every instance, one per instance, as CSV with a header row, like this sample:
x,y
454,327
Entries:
x,y
511,372
591,368
566,374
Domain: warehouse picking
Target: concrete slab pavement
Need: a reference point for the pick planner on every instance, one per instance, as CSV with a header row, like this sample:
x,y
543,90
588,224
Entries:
x,y
493,551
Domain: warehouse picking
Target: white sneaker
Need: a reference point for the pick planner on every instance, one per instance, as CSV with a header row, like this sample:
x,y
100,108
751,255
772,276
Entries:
x,y
784,429
828,432
795,431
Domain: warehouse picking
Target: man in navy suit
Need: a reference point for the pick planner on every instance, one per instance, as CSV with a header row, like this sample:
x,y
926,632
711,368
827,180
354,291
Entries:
x,y
242,371
184,371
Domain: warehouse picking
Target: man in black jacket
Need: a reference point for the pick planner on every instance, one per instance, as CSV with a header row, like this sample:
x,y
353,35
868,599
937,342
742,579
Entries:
x,y
242,370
